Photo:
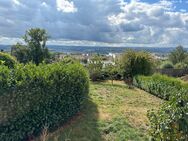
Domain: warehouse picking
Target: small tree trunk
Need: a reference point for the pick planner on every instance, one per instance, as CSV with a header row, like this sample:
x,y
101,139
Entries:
x,y
112,81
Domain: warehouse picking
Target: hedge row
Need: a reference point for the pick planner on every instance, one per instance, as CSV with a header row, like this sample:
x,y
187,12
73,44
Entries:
x,y
7,60
170,122
160,85
41,96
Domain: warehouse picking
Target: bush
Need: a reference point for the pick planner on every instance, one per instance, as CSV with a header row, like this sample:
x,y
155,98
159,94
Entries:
x,y
7,60
95,67
38,96
181,66
112,72
167,65
134,63
171,121
159,85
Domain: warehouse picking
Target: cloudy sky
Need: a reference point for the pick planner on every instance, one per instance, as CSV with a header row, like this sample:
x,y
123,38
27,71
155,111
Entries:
x,y
98,22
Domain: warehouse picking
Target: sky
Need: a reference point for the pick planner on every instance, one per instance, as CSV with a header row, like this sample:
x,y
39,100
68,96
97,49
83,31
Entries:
x,y
138,23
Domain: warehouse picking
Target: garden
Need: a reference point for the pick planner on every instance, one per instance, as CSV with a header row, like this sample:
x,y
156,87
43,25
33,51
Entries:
x,y
45,99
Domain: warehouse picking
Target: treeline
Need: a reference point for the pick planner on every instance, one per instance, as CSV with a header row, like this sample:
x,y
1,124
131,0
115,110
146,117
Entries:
x,y
130,64
177,59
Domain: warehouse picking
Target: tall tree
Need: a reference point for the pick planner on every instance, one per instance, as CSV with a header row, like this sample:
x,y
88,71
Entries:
x,y
35,49
178,55
36,41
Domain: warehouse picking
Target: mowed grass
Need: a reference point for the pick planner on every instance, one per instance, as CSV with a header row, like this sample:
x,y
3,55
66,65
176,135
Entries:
x,y
111,113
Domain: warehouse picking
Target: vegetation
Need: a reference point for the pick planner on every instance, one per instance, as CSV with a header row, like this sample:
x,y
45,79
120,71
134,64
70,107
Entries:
x,y
112,72
41,96
178,55
181,66
112,113
167,65
7,60
134,63
21,52
171,121
160,85
35,49
95,67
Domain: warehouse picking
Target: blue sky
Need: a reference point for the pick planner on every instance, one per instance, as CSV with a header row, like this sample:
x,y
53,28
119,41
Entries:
x,y
149,23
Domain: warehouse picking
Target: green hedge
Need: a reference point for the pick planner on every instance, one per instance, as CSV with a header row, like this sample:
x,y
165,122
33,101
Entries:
x,y
170,122
160,85
38,96
7,60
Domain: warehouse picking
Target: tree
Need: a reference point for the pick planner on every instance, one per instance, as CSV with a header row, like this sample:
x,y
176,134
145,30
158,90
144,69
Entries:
x,y
95,67
35,49
178,55
112,70
135,63
35,39
21,52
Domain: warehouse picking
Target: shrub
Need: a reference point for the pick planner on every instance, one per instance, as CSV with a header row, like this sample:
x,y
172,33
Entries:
x,y
170,122
38,96
181,66
167,65
7,60
95,67
134,63
112,72
159,85
21,52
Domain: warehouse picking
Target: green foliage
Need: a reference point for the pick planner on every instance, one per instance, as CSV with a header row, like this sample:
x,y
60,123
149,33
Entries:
x,y
181,65
170,123
35,49
41,96
167,65
159,85
21,52
178,55
112,72
7,60
95,67
134,63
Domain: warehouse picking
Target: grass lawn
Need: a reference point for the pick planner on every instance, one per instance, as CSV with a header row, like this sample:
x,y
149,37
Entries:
x,y
111,113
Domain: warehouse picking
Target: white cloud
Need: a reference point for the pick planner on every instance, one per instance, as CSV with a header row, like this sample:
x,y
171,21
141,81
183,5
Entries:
x,y
16,2
66,6
94,21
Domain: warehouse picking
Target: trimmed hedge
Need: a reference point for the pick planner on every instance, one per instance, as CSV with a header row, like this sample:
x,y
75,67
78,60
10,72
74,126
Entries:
x,y
160,85
7,60
38,96
170,122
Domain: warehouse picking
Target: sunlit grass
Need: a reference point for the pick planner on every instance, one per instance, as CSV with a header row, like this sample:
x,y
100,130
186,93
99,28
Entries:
x,y
111,113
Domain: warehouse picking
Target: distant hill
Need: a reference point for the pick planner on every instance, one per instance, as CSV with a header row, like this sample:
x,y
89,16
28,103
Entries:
x,y
100,50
